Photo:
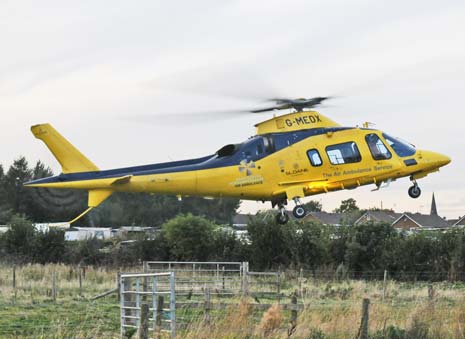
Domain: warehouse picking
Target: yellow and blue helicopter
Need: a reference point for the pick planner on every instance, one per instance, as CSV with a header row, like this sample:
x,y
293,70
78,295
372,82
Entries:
x,y
292,156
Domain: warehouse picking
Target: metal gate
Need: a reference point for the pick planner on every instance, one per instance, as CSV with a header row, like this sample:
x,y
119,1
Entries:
x,y
155,290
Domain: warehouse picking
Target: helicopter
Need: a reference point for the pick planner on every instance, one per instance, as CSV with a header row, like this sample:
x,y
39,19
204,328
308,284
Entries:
x,y
291,156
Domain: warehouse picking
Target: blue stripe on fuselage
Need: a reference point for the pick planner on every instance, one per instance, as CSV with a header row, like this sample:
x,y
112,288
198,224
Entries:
x,y
208,162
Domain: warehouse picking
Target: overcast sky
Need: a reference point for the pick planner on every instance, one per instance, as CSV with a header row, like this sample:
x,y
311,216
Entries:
x,y
107,73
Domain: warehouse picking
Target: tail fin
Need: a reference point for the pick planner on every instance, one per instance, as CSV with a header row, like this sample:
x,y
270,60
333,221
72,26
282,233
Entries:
x,y
70,159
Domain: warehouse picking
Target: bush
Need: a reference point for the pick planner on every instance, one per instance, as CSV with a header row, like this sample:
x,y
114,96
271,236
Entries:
x,y
189,237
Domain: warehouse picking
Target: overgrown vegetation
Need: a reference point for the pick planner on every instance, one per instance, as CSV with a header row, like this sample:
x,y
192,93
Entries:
x,y
363,251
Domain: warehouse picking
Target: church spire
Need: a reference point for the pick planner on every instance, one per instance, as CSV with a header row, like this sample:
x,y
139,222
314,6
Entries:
x,y
434,210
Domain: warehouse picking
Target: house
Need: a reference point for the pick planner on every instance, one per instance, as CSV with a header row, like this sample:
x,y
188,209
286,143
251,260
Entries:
x,y
460,222
45,227
128,231
417,221
328,219
84,233
386,216
240,221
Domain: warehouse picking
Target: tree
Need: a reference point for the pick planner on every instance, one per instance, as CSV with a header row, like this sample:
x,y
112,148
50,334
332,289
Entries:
x,y
49,246
269,242
313,206
347,206
17,175
19,239
308,244
367,246
189,237
5,209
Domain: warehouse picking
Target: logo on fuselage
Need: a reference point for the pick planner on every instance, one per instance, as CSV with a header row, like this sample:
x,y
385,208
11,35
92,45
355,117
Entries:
x,y
246,166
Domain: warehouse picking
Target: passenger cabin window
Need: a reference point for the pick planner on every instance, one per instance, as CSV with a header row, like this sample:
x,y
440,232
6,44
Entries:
x,y
314,157
402,148
377,148
345,153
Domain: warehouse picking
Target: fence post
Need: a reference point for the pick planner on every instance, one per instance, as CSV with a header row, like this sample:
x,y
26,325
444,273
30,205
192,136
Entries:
x,y
118,284
173,305
384,284
144,321
245,283
54,286
430,292
14,283
223,280
293,321
365,316
278,284
160,303
80,282
145,282
207,305
14,276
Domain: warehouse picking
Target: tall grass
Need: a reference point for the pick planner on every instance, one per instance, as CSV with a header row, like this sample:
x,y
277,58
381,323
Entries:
x,y
331,309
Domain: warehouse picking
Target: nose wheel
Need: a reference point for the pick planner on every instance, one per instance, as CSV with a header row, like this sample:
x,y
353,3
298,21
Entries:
x,y
299,210
414,191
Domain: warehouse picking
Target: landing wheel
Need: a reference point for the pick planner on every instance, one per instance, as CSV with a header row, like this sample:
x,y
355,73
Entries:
x,y
282,218
299,212
414,191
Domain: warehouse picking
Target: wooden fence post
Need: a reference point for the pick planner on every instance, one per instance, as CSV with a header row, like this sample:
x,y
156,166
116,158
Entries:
x,y
365,317
118,284
14,282
144,321
14,276
207,305
384,284
80,282
224,287
54,286
430,292
293,321
160,303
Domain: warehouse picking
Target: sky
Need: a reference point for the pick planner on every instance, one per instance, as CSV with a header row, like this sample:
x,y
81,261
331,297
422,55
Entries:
x,y
125,81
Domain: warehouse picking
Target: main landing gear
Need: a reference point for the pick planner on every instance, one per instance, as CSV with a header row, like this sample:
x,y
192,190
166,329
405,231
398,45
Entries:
x,y
414,191
282,217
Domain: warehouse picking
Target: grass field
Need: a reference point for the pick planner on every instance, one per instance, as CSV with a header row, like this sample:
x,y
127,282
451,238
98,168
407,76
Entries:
x,y
331,309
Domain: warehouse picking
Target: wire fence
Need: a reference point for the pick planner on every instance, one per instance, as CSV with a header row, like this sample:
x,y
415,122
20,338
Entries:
x,y
29,306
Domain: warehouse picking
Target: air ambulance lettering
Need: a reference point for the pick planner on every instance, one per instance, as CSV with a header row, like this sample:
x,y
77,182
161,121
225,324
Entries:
x,y
303,120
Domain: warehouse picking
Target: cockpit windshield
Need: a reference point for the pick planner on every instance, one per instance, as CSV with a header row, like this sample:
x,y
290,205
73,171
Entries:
x,y
402,148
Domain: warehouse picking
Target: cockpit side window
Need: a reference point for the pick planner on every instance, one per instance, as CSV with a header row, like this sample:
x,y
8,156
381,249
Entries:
x,y
402,148
377,148
253,149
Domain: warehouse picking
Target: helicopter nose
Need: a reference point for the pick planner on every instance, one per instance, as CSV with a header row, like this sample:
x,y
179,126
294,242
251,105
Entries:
x,y
434,159
442,160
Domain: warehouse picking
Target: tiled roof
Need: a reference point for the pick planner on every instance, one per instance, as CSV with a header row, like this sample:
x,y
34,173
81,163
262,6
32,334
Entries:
x,y
428,221
326,218
380,216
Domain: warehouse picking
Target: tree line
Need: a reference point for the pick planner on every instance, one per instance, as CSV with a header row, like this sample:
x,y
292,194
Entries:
x,y
363,250
52,205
